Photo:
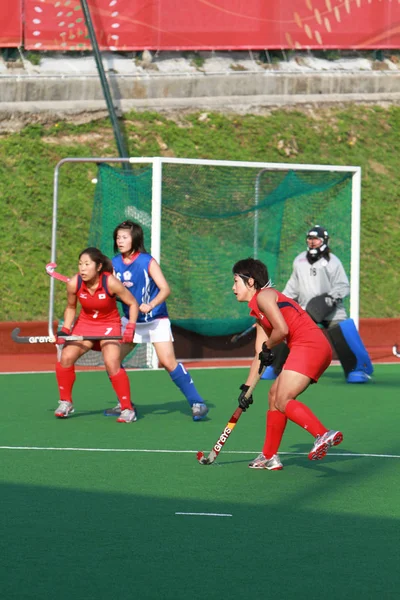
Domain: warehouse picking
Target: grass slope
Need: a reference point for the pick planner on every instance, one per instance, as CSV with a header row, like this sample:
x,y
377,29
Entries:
x,y
356,135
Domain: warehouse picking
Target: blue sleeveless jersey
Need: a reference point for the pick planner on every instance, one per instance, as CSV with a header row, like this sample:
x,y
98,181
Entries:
x,y
135,277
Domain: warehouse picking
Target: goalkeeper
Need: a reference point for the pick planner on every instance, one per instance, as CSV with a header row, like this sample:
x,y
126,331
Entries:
x,y
318,272
319,284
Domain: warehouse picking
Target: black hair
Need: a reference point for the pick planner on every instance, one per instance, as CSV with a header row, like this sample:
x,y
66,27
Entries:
x,y
251,267
99,258
136,234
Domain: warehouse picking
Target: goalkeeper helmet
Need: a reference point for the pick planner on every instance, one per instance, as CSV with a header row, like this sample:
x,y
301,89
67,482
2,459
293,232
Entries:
x,y
317,233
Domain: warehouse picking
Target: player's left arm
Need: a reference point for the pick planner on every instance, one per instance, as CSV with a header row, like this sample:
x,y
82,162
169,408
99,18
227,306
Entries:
x,y
157,276
267,301
116,287
261,337
340,287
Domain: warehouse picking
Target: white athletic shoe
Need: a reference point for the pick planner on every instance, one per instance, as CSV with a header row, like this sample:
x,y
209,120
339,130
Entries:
x,y
272,464
199,411
324,442
64,409
127,416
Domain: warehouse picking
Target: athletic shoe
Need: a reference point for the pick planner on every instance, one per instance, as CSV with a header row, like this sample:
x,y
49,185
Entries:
x,y
127,416
199,411
272,464
64,409
113,412
323,443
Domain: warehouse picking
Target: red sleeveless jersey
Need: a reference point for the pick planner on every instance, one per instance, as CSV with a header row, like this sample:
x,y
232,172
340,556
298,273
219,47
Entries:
x,y
99,307
302,328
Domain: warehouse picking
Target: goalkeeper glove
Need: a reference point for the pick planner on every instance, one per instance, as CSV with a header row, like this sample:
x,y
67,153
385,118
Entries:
x,y
331,302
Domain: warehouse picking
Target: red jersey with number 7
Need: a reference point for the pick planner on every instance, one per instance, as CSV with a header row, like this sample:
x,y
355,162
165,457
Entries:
x,y
98,308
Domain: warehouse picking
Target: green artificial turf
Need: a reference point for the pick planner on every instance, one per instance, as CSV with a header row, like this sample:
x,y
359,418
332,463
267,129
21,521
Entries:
x,y
102,523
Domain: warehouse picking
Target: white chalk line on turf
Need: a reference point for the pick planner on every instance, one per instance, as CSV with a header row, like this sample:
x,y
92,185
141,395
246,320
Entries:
x,y
205,367
160,451
193,514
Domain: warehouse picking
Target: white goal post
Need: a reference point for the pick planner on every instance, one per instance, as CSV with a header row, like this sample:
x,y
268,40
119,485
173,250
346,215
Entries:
x,y
159,165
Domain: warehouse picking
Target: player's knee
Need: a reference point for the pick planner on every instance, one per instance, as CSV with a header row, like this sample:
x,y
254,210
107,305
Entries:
x,y
66,363
68,358
167,362
280,403
112,367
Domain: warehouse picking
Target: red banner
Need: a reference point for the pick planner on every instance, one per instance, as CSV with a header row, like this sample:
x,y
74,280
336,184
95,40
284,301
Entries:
x,y
205,24
11,24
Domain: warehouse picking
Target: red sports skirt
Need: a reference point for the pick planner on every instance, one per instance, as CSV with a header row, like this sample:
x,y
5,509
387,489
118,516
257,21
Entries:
x,y
99,329
311,358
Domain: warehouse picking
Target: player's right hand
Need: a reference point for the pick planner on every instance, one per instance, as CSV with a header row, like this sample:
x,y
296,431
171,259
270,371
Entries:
x,y
244,403
63,333
266,357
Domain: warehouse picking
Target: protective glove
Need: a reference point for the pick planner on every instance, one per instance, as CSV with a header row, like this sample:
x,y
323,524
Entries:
x,y
266,357
64,332
129,333
331,302
243,402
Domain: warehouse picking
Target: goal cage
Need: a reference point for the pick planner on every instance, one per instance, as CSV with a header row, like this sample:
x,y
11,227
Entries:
x,y
201,216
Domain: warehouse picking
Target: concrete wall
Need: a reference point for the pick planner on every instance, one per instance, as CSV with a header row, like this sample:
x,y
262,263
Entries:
x,y
183,89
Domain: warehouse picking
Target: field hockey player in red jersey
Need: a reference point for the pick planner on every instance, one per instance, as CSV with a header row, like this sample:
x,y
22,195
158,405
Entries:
x,y
281,319
96,289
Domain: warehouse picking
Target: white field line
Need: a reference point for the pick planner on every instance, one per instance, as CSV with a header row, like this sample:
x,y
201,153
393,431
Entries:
x,y
193,514
159,451
334,363
206,514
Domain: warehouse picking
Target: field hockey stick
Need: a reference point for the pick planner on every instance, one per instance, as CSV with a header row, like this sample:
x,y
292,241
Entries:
x,y
239,336
203,460
45,339
50,271
395,352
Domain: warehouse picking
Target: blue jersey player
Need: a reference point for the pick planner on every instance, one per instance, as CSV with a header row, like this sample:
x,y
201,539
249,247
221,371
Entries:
x,y
140,273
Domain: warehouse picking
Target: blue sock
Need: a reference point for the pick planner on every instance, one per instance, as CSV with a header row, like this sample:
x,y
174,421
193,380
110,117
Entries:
x,y
184,382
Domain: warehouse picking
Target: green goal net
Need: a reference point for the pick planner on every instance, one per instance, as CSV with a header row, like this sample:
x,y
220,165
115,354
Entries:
x,y
203,216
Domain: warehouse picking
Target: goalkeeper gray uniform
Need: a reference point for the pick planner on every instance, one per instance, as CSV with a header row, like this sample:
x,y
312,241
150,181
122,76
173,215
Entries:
x,y
321,277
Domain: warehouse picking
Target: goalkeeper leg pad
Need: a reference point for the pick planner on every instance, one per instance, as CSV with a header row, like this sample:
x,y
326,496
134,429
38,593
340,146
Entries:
x,y
351,352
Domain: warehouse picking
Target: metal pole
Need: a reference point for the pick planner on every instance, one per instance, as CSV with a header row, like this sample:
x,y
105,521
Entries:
x,y
355,248
122,150
53,255
256,202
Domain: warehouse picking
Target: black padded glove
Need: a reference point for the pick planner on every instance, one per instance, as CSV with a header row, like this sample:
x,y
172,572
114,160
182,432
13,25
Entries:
x,y
266,357
243,402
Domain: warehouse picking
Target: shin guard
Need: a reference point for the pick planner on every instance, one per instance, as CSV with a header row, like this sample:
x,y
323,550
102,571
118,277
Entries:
x,y
65,380
121,385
